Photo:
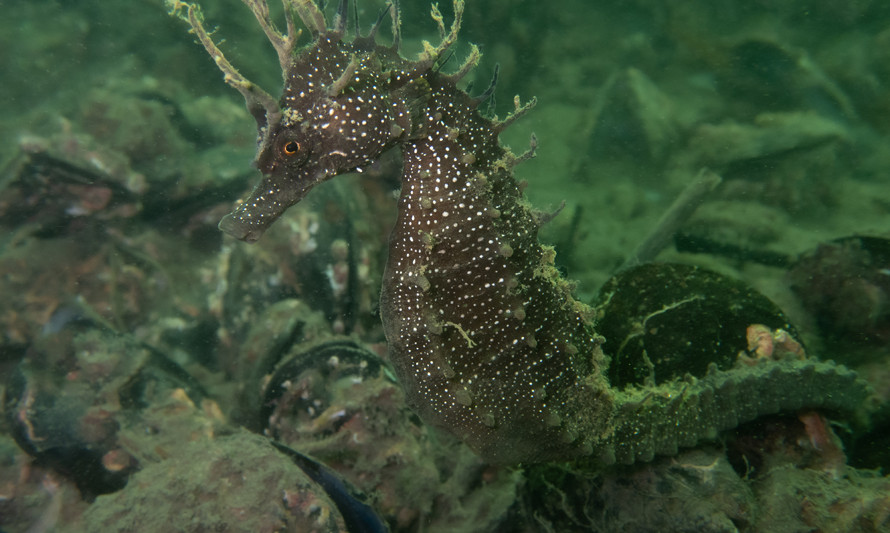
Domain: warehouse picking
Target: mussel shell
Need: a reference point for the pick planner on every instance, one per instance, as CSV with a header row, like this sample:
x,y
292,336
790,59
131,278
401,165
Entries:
x,y
662,321
45,427
65,400
313,369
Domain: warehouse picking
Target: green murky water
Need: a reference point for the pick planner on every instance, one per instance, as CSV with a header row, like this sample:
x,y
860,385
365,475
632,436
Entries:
x,y
136,341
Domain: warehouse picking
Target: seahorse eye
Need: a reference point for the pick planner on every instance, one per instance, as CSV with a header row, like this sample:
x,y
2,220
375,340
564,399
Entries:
x,y
290,148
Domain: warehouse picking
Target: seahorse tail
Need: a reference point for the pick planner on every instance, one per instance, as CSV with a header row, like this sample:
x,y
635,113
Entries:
x,y
660,420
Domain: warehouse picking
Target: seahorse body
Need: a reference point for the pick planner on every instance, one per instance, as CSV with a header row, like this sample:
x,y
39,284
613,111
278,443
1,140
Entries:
x,y
484,334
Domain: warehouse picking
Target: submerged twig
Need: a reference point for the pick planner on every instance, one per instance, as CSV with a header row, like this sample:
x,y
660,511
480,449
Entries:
x,y
680,211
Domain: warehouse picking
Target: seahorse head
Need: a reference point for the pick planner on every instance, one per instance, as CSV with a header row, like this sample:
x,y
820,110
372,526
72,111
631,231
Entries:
x,y
344,102
336,115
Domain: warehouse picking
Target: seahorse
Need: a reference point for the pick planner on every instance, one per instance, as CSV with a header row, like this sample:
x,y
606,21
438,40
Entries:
x,y
484,334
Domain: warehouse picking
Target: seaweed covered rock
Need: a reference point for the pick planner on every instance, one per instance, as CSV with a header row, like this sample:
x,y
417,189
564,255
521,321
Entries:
x,y
663,321
204,488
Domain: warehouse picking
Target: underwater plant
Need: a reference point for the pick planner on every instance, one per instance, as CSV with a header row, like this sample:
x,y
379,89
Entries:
x,y
484,334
